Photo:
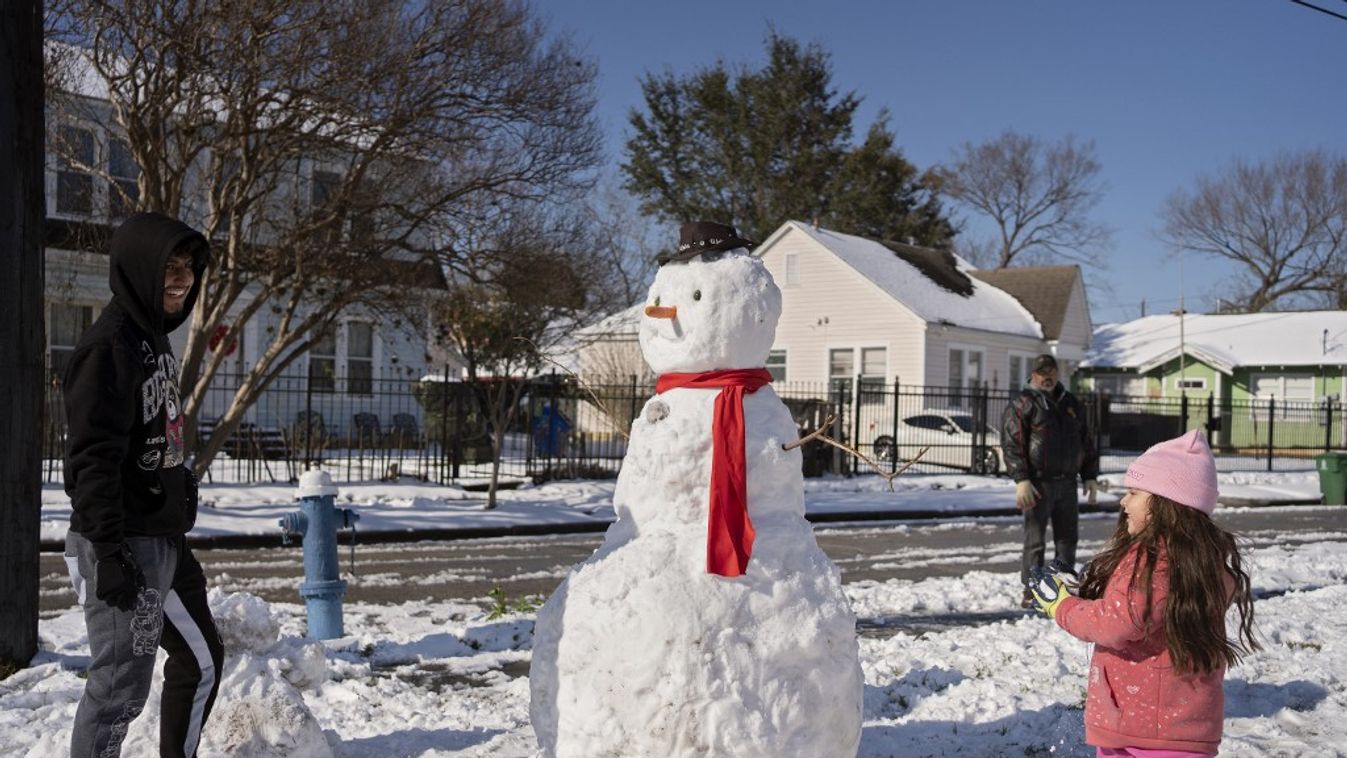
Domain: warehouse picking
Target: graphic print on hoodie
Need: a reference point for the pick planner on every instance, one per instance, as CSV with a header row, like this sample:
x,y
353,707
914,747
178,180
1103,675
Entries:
x,y
124,453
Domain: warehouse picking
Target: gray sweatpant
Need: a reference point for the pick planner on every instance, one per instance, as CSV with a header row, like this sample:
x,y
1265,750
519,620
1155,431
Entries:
x,y
1059,505
170,612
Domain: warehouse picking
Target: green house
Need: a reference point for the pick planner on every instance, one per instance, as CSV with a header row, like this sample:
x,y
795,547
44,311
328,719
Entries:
x,y
1235,367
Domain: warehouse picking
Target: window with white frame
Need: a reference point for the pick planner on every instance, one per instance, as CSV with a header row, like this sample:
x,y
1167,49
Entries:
x,y
776,365
65,323
792,269
1017,375
874,366
359,358
123,173
75,157
841,369
965,370
1190,383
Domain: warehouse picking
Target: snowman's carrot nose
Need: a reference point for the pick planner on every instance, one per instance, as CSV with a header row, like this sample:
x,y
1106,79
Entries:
x,y
661,311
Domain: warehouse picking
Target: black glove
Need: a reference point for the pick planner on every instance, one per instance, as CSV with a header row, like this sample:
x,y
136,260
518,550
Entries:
x,y
119,579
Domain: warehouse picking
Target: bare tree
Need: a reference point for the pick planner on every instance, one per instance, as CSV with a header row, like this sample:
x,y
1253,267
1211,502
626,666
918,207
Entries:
x,y
337,154
532,296
1037,195
1282,221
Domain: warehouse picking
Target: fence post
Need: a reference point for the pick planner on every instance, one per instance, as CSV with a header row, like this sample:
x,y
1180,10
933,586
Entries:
x,y
893,431
308,421
456,450
1328,423
1183,413
1211,420
1271,423
856,422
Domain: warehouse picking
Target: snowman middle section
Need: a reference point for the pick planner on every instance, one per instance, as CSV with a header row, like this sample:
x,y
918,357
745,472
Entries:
x,y
643,652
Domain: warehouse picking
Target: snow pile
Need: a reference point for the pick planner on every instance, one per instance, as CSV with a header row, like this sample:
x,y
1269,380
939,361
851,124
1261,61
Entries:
x,y
641,651
260,711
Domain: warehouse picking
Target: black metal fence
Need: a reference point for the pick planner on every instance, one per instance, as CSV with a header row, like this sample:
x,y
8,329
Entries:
x,y
440,431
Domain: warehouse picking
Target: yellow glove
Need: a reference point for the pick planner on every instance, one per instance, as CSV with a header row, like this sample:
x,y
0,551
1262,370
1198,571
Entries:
x,y
1025,495
1091,490
1048,590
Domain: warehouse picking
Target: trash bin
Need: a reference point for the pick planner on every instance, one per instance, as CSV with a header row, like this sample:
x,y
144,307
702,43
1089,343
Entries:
x,y
1332,469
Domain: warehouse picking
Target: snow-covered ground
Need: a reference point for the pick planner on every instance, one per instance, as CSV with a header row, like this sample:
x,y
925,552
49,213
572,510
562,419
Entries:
x,y
229,509
443,678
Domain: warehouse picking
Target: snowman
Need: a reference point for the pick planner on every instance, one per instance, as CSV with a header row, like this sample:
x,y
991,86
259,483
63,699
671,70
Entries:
x,y
708,622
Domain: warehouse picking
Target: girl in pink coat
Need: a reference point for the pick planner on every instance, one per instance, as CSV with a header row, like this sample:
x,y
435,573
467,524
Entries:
x,y
1154,602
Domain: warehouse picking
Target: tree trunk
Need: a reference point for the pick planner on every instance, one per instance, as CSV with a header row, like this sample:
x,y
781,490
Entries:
x,y
22,213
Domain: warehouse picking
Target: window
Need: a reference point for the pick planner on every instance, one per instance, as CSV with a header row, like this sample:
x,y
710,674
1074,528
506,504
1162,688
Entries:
x,y
65,324
1190,384
323,187
323,363
955,368
1017,373
359,358
925,421
776,365
965,370
74,183
123,191
792,269
841,369
874,365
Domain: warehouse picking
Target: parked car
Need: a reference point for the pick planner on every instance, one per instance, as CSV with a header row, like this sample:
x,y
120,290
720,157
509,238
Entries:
x,y
949,436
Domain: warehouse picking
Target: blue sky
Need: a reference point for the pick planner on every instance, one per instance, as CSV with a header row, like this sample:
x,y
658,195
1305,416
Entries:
x,y
1166,90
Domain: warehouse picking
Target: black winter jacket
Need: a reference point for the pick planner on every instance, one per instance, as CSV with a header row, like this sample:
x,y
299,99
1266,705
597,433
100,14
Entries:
x,y
124,467
1044,437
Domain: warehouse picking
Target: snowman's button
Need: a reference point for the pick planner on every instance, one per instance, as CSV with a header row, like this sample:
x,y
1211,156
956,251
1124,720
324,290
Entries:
x,y
655,411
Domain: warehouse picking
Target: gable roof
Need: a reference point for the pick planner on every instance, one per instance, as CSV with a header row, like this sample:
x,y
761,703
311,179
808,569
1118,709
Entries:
x,y
935,285
1044,290
1300,338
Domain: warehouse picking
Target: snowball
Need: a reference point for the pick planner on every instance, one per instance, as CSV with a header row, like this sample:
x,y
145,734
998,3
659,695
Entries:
x,y
245,621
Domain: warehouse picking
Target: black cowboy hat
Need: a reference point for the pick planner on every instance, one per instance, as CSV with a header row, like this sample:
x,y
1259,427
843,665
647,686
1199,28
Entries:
x,y
701,237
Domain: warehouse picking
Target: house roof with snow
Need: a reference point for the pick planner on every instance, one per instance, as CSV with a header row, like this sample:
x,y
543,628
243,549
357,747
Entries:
x,y
936,285
1301,338
625,324
1044,290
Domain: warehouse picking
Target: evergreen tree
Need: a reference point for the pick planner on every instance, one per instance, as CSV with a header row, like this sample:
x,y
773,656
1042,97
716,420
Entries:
x,y
760,147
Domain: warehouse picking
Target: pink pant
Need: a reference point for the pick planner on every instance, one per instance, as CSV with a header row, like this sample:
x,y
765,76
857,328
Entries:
x,y
1145,752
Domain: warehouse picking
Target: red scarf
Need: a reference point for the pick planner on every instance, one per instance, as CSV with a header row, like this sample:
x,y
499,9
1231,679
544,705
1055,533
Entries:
x,y
729,533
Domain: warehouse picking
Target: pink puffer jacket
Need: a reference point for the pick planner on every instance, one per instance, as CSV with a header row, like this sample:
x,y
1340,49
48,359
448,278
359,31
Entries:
x,y
1135,698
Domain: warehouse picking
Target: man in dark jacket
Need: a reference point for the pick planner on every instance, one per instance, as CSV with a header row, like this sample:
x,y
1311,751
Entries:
x,y
134,500
1046,444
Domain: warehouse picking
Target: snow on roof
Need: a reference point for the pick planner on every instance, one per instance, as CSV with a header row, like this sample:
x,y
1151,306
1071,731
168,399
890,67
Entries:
x,y
987,308
624,323
1302,338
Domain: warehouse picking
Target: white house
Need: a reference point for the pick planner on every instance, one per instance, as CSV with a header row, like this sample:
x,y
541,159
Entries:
x,y
91,185
886,311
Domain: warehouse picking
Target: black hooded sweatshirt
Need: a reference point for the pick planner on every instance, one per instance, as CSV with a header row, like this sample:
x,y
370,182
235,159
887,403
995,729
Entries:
x,y
124,467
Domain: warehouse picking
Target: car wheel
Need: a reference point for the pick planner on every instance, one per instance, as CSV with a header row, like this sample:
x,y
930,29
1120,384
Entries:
x,y
884,448
991,462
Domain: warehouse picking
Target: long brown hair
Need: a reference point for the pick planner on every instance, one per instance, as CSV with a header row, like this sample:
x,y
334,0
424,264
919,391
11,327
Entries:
x,y
1202,558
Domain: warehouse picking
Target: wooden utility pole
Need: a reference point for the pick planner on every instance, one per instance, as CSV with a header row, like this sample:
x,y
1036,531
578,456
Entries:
x,y
23,208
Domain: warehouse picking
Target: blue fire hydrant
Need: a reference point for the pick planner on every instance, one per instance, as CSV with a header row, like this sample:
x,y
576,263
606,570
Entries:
x,y
317,523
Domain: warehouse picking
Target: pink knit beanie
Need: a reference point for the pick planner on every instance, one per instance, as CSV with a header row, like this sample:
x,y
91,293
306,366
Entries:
x,y
1180,469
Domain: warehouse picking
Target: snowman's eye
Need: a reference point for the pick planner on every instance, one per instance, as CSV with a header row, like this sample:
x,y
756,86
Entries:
x,y
697,295
656,301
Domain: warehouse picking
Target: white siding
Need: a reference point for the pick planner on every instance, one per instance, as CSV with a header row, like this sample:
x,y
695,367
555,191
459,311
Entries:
x,y
1074,340
996,348
833,306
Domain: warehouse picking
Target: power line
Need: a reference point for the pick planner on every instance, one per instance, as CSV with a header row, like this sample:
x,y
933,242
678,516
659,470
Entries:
x,y
1321,10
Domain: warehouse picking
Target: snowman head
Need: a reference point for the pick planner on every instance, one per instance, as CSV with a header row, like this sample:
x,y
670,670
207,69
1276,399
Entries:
x,y
711,312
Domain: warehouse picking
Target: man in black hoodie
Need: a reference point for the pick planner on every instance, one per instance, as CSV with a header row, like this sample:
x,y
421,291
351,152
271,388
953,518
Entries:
x,y
134,500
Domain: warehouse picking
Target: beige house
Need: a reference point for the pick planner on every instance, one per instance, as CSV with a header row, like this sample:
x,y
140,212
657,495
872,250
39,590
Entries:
x,y
882,311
